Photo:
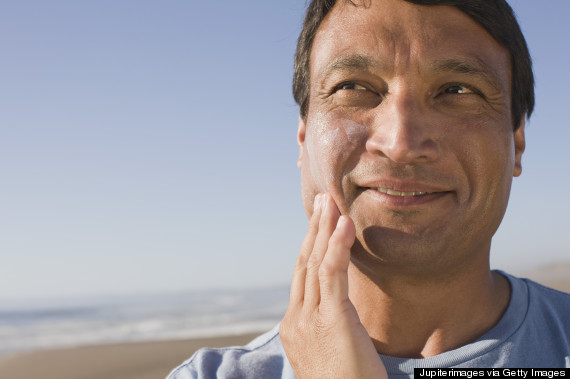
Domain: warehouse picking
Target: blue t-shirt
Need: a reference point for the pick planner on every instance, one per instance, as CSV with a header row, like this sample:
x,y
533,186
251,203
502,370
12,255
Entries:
x,y
533,332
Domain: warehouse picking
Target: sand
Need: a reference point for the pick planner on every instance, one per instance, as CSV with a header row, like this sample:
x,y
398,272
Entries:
x,y
152,360
145,360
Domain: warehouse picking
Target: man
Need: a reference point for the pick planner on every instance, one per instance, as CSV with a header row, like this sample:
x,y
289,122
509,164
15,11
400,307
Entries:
x,y
411,129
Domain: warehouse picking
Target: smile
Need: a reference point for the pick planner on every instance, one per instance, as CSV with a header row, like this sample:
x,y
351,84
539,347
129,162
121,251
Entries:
x,y
394,199
399,193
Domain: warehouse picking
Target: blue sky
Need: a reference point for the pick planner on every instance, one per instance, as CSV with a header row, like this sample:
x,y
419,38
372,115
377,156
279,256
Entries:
x,y
150,146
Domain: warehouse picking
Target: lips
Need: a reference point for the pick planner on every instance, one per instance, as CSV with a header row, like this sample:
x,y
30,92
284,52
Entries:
x,y
403,187
401,193
395,199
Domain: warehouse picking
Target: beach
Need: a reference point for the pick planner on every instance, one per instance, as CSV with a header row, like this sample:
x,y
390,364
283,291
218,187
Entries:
x,y
150,360
141,360
129,336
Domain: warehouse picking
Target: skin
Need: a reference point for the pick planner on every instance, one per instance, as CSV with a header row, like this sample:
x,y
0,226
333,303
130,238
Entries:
x,y
414,99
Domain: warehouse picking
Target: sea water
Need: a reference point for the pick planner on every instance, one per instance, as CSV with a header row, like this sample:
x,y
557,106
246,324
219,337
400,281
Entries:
x,y
113,319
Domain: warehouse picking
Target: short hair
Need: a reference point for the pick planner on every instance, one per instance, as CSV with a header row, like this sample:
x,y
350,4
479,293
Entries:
x,y
495,16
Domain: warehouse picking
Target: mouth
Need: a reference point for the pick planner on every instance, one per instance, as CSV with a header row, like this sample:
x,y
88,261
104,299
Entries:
x,y
397,198
392,192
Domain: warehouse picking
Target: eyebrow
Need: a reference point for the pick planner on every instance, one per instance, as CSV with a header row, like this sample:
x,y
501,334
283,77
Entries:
x,y
471,67
350,62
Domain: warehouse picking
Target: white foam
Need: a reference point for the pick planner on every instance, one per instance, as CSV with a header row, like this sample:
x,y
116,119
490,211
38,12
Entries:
x,y
160,317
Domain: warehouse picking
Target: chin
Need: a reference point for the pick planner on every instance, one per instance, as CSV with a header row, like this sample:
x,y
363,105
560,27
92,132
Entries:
x,y
391,246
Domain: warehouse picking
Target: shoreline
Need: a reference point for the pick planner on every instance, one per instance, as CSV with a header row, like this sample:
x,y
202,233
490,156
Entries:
x,y
151,359
130,360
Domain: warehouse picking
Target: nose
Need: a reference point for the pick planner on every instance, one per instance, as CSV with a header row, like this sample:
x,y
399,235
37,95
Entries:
x,y
403,130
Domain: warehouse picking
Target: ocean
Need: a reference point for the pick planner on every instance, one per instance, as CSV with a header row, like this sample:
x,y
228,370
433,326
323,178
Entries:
x,y
151,317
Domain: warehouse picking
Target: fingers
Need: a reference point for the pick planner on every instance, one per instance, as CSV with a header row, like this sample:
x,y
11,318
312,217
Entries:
x,y
322,264
297,294
333,270
327,225
321,331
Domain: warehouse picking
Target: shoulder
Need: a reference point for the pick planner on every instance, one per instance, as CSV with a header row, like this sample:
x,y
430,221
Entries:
x,y
547,309
262,357
548,300
539,294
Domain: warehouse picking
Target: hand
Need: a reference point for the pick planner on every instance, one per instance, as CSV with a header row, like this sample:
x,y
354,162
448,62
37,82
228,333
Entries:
x,y
321,332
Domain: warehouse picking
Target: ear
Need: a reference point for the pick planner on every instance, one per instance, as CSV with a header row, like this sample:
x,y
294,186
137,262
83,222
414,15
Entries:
x,y
519,147
301,139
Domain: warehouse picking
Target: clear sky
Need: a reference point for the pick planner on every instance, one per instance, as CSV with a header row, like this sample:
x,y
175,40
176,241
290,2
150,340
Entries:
x,y
150,145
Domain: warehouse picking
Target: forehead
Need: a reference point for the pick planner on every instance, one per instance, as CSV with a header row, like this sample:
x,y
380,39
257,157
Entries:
x,y
399,36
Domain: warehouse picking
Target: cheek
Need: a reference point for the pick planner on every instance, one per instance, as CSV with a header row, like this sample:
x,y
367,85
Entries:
x,y
329,145
501,167
487,156
493,160
484,147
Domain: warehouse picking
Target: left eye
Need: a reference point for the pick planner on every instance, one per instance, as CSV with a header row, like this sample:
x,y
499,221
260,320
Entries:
x,y
458,89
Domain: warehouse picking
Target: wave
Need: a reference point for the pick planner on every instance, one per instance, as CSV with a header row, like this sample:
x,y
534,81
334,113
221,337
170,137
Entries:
x,y
140,318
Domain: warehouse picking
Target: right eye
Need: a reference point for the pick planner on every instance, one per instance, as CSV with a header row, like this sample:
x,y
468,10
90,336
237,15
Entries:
x,y
351,85
355,95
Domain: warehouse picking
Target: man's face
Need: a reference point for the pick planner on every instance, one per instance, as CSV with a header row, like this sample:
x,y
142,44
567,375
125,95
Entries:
x,y
409,128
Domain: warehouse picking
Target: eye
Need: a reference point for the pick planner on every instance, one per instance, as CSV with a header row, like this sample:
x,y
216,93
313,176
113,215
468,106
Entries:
x,y
458,89
351,86
355,95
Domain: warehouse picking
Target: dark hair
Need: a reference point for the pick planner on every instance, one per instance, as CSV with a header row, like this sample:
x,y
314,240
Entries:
x,y
495,16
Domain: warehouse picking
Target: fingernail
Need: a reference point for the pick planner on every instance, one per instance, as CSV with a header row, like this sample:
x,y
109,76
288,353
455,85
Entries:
x,y
341,222
317,202
324,201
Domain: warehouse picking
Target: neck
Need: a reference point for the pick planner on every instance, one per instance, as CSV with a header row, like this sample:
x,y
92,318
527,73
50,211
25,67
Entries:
x,y
418,316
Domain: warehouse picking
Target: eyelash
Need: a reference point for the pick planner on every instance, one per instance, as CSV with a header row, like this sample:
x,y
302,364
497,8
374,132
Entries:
x,y
354,84
463,85
466,87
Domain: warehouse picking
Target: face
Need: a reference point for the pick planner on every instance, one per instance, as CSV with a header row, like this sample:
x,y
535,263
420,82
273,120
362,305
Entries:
x,y
409,128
